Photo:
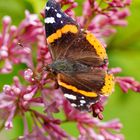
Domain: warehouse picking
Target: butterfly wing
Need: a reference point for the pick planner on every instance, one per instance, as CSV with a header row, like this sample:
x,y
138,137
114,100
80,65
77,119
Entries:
x,y
80,95
84,89
86,49
67,42
60,29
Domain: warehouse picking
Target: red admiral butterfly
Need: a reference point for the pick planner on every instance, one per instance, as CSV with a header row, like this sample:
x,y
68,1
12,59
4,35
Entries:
x,y
78,58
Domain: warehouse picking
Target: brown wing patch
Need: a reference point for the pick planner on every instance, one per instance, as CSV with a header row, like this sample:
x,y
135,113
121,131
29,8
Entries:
x,y
80,49
94,79
61,45
88,83
76,47
72,85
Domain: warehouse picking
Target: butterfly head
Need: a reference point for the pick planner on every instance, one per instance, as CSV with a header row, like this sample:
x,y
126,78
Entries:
x,y
54,18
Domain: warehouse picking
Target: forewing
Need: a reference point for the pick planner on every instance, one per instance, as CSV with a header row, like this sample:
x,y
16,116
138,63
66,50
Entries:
x,y
60,29
67,41
86,49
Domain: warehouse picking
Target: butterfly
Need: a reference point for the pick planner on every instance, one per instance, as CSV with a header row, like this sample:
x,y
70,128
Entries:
x,y
78,59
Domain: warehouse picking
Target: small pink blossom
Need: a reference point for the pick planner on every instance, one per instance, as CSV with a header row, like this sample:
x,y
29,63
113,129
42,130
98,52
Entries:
x,y
28,74
71,5
127,83
115,70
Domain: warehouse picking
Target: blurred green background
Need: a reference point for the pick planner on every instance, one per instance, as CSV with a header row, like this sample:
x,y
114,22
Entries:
x,y
123,51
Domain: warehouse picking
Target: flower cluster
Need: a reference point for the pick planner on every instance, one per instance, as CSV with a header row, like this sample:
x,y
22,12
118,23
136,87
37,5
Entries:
x,y
101,17
72,4
17,45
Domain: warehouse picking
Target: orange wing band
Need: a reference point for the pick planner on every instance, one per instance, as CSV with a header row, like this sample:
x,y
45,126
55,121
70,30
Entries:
x,y
100,50
59,32
75,89
109,85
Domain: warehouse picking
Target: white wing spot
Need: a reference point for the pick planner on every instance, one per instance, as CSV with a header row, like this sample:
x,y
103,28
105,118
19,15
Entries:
x,y
73,105
58,15
72,97
47,8
82,97
82,101
49,20
61,21
55,10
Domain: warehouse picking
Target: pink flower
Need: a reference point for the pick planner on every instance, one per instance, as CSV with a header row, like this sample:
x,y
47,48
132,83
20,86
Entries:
x,y
37,89
101,21
127,83
72,4
115,70
86,123
119,3
16,42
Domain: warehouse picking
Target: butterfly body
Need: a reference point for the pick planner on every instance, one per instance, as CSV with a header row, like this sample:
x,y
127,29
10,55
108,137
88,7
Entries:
x,y
78,59
68,67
